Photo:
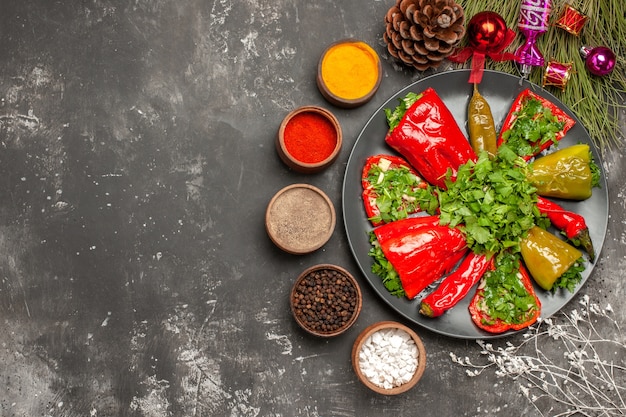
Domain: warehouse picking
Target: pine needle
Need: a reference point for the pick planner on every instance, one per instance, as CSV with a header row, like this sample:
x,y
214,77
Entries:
x,y
597,101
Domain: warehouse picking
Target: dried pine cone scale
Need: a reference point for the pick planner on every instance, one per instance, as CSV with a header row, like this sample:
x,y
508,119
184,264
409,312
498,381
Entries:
x,y
405,30
422,33
416,35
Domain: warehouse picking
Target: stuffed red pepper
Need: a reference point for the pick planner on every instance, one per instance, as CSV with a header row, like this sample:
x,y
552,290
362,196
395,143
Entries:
x,y
428,136
419,249
505,298
392,190
455,286
533,124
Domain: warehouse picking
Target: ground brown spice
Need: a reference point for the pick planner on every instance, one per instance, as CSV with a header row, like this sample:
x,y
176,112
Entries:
x,y
300,219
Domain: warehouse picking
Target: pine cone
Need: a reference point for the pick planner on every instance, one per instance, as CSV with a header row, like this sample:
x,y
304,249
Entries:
x,y
422,33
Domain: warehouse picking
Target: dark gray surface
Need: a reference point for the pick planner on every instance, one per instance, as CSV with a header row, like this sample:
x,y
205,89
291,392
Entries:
x,y
137,160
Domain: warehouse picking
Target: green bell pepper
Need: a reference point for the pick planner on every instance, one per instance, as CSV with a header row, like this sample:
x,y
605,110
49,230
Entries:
x,y
566,173
547,257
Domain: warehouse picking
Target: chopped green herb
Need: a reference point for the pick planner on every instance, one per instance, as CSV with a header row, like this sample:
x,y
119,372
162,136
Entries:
x,y
399,192
533,126
383,268
394,117
491,201
595,171
571,277
505,296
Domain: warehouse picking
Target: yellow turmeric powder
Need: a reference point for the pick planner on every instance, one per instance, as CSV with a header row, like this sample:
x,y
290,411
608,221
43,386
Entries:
x,y
350,70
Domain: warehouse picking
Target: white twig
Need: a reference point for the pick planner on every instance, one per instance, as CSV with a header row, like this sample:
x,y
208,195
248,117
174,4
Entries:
x,y
563,361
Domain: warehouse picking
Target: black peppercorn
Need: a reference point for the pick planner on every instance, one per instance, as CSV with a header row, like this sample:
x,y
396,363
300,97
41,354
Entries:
x,y
325,301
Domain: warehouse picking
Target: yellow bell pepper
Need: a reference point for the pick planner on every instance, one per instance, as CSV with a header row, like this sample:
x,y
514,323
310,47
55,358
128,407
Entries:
x,y
565,173
547,257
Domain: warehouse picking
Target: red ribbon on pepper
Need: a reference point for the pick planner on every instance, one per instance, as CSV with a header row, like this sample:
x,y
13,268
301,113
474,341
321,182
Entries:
x,y
420,250
430,139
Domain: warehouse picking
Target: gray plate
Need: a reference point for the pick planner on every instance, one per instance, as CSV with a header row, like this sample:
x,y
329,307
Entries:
x,y
500,89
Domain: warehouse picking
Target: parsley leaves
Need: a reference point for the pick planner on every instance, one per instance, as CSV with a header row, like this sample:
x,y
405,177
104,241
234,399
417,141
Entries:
x,y
595,171
383,268
399,192
505,297
491,201
394,117
570,278
533,126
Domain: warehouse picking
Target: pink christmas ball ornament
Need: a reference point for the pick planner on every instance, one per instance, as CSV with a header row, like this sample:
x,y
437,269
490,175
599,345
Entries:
x,y
599,61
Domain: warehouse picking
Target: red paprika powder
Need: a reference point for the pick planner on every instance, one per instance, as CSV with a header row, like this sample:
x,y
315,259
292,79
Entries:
x,y
310,137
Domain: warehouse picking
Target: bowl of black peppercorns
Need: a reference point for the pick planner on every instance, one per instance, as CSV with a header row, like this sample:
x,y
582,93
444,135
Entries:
x,y
325,300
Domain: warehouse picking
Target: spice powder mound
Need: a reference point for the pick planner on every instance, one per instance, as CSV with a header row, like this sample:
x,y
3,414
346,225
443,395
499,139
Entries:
x,y
310,137
350,70
301,219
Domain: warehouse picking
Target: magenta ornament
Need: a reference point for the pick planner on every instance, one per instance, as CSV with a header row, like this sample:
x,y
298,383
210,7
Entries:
x,y
599,60
557,74
533,21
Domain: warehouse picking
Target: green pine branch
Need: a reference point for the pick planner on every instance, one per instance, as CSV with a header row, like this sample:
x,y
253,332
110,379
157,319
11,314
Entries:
x,y
597,101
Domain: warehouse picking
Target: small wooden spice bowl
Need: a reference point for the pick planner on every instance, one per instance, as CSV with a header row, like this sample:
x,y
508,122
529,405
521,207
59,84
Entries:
x,y
349,73
325,300
300,219
366,337
309,139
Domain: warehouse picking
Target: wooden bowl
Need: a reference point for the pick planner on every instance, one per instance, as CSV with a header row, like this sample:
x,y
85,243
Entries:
x,y
309,139
335,91
325,313
364,338
300,219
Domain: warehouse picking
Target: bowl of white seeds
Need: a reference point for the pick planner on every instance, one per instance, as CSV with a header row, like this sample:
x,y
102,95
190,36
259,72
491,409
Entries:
x,y
388,358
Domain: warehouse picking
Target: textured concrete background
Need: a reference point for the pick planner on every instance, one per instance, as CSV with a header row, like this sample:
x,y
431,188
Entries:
x,y
136,163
